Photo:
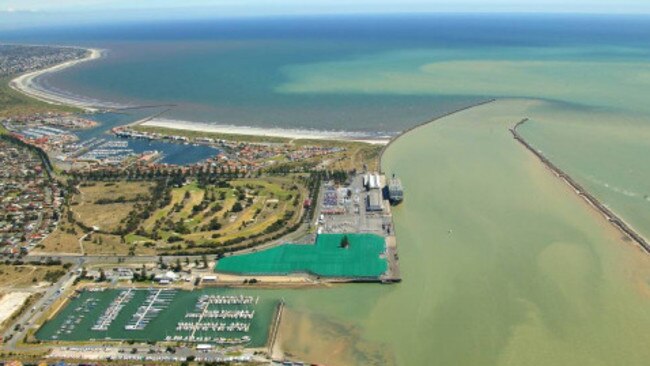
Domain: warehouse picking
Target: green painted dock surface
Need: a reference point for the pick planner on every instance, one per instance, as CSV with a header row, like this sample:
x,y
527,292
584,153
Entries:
x,y
362,258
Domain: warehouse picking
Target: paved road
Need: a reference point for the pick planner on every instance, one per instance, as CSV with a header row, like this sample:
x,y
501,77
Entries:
x,y
28,319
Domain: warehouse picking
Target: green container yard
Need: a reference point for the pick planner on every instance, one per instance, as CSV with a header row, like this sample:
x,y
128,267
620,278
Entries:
x,y
327,258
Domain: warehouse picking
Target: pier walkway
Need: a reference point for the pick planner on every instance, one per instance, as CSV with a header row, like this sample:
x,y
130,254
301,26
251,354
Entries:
x,y
143,314
113,310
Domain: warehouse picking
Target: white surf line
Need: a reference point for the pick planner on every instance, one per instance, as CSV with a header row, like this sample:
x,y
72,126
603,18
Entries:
x,y
303,134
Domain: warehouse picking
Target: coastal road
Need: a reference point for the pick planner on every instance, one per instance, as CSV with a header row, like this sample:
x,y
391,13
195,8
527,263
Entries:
x,y
28,318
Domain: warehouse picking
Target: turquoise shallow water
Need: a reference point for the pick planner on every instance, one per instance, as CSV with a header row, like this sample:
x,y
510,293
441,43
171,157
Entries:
x,y
228,82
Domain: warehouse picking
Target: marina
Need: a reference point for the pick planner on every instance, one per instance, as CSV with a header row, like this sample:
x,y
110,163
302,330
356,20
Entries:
x,y
113,310
234,314
212,316
156,302
229,300
77,317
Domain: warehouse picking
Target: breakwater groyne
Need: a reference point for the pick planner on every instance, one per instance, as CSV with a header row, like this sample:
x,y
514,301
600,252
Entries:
x,y
582,192
275,327
383,150
147,119
146,106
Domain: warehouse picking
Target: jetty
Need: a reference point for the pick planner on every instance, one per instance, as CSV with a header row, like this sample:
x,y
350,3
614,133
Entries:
x,y
233,314
275,327
227,300
610,216
105,321
156,302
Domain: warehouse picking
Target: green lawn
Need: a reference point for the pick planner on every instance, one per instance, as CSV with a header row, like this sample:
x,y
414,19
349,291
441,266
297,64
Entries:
x,y
16,103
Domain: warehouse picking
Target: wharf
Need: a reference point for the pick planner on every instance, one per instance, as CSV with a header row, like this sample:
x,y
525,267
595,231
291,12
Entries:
x,y
393,273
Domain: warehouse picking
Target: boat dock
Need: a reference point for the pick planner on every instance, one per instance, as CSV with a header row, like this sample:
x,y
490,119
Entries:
x,y
156,302
105,321
227,300
218,314
74,319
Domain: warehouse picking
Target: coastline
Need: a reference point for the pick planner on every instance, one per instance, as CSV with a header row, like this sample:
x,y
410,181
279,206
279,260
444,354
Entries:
x,y
268,132
25,83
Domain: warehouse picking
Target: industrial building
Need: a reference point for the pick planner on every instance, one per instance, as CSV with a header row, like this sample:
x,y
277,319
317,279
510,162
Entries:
x,y
372,181
374,200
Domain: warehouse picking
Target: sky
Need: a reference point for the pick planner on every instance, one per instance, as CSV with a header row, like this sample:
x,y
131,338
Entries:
x,y
17,14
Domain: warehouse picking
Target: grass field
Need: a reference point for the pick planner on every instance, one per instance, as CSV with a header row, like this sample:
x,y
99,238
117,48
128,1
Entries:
x,y
97,204
230,214
23,276
62,240
327,258
218,215
67,238
14,103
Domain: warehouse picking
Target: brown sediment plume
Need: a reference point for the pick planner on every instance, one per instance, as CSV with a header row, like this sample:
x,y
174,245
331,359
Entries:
x,y
318,339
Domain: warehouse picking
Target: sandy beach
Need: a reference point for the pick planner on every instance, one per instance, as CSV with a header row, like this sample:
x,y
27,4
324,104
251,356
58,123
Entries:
x,y
26,84
269,132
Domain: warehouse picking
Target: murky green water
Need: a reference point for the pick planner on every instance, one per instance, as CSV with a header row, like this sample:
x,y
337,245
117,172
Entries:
x,y
502,265
599,129
607,151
